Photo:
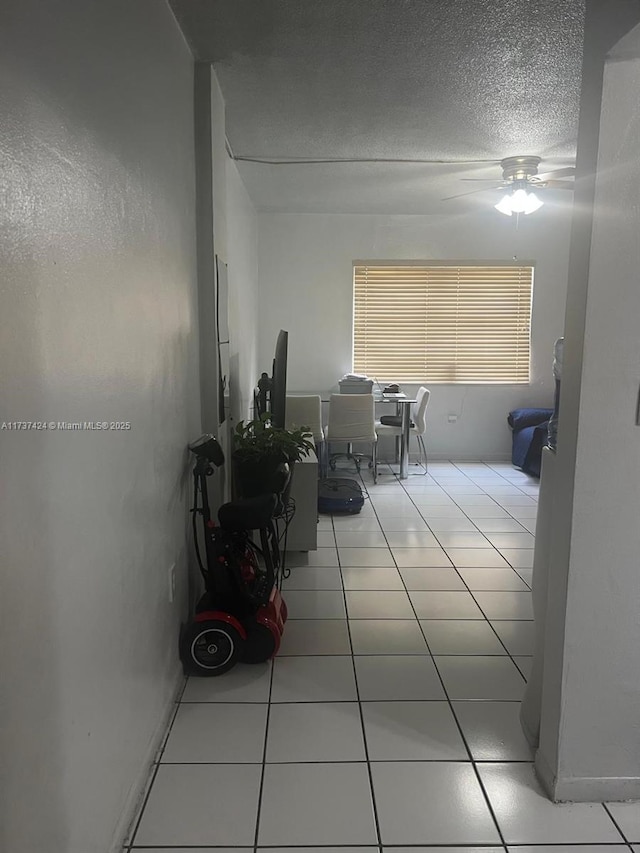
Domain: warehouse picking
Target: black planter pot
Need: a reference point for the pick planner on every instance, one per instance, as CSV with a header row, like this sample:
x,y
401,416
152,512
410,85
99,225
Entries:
x,y
266,475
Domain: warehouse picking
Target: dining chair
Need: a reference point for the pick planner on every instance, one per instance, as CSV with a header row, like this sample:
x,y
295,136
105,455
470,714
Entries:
x,y
418,423
352,419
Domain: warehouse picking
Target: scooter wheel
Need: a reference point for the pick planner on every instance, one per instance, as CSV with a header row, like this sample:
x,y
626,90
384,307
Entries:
x,y
211,648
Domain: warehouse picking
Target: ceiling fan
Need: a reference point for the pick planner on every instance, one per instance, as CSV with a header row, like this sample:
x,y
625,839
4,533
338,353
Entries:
x,y
520,179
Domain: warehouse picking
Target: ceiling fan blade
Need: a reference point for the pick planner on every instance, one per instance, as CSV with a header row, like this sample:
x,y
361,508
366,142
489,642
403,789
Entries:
x,y
557,173
560,185
483,180
473,192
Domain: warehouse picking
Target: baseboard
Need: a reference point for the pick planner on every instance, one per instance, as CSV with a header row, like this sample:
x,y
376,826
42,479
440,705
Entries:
x,y
468,457
140,786
598,789
590,789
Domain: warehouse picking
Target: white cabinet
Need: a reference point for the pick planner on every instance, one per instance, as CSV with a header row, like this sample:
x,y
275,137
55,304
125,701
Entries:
x,y
303,530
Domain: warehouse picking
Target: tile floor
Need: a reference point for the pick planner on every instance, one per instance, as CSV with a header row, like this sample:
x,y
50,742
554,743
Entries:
x,y
390,717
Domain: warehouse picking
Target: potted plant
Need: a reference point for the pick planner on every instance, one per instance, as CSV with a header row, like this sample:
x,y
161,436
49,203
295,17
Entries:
x,y
263,455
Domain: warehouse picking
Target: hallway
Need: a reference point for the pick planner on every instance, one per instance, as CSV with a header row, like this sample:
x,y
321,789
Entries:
x,y
390,717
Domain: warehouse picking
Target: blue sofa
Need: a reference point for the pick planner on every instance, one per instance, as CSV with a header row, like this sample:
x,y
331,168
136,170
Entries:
x,y
529,436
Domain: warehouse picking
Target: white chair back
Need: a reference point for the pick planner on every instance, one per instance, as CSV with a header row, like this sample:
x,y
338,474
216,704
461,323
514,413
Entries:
x,y
351,418
305,411
420,410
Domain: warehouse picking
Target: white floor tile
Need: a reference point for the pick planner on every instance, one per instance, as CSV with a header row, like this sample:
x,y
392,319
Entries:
x,y
361,539
444,605
526,816
511,540
433,512
244,683
463,540
315,637
493,579
526,575
374,604
519,558
313,679
492,730
321,557
315,731
429,499
517,500
359,577
627,816
380,557
439,801
464,489
355,523
478,677
481,557
461,637
445,578
524,512
412,731
495,511
387,637
397,677
518,636
325,538
499,489
458,524
191,849
475,501
524,664
214,733
563,848
411,539
416,557
196,804
505,605
328,804
501,525
315,604
401,525
313,577
307,850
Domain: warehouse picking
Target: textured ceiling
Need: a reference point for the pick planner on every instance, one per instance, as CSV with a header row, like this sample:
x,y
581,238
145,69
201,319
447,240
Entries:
x,y
389,79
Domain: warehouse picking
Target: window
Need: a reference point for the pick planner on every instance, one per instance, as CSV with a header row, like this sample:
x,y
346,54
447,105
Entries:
x,y
443,322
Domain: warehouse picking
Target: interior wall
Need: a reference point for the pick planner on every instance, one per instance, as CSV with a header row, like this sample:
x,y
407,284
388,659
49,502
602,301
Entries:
x,y
242,246
306,287
598,701
98,288
604,26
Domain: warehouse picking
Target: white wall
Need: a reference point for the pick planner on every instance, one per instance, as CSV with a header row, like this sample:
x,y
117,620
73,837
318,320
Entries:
x,y
305,268
98,291
242,258
592,688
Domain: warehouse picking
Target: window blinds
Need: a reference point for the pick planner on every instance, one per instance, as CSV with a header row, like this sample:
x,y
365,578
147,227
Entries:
x,y
443,323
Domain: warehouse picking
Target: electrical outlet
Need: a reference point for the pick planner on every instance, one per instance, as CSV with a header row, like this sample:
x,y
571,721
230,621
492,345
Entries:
x,y
452,418
172,582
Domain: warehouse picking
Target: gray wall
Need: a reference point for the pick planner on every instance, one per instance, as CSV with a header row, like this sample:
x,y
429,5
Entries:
x,y
98,306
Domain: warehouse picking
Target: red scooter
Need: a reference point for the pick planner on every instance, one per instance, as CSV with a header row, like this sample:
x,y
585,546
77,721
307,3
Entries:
x,y
241,615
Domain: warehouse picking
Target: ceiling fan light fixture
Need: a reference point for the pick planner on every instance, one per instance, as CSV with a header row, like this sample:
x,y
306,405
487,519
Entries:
x,y
519,200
